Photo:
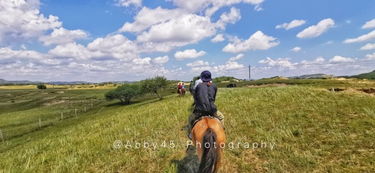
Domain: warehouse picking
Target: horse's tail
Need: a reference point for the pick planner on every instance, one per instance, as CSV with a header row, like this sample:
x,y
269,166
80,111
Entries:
x,y
210,154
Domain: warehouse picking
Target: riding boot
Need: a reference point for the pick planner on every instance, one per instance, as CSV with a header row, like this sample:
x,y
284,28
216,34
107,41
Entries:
x,y
220,116
190,124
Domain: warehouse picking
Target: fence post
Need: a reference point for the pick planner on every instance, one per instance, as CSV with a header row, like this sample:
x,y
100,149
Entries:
x,y
1,136
85,108
75,111
62,115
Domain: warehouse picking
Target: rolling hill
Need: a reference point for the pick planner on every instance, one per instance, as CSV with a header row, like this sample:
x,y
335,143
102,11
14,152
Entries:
x,y
370,75
311,129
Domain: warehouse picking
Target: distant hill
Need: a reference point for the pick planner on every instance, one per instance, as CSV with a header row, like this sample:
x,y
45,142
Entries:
x,y
21,82
313,76
370,75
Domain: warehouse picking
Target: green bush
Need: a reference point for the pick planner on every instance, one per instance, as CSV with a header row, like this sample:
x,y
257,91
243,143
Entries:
x,y
41,86
154,85
124,93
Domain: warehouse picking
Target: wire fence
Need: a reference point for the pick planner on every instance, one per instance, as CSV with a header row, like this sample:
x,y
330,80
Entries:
x,y
69,111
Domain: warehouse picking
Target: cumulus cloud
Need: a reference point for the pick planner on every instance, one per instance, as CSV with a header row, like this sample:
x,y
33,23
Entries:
x,y
233,16
218,38
70,50
257,41
161,60
188,54
318,29
237,57
197,63
368,46
290,25
209,7
127,3
147,17
230,65
22,20
63,36
369,24
175,30
362,38
340,59
116,46
282,62
370,56
337,65
296,49
142,61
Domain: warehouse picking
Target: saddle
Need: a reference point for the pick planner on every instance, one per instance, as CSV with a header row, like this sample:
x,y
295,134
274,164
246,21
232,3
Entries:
x,y
205,116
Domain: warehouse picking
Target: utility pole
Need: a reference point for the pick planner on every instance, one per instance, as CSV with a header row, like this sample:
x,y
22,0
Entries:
x,y
249,72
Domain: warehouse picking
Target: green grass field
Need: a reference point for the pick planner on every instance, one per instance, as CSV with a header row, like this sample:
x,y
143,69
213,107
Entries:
x,y
311,129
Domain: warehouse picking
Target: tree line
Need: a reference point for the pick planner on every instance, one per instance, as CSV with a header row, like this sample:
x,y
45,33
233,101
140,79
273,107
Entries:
x,y
126,92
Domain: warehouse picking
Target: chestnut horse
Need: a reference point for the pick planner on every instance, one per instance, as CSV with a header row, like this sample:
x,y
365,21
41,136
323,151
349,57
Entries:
x,y
209,138
181,91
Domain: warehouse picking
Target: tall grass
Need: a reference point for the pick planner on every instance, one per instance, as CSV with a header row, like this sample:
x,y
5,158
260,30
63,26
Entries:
x,y
312,129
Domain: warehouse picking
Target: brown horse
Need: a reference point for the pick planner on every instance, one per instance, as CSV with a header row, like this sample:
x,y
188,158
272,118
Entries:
x,y
181,92
209,139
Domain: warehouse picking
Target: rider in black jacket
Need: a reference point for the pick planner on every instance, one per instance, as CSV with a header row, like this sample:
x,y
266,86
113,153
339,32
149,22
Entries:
x,y
204,98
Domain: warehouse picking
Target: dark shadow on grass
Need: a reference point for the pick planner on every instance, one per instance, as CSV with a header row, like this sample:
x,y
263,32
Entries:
x,y
190,163
137,103
140,102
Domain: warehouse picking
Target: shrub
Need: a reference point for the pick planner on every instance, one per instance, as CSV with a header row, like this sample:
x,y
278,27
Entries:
x,y
124,93
41,86
154,85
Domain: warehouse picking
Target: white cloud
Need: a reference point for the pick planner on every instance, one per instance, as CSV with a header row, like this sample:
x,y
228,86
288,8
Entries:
x,y
26,57
296,49
318,29
8,53
116,46
257,41
63,36
22,20
368,46
281,62
70,50
370,56
218,38
197,63
237,57
362,38
232,17
187,29
230,65
290,25
161,60
147,17
211,6
341,59
215,5
142,61
369,24
188,54
127,3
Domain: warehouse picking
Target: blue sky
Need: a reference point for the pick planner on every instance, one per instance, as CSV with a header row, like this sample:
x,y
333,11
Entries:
x,y
93,40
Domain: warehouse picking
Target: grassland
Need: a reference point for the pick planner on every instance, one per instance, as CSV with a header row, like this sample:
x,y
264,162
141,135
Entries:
x,y
313,129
